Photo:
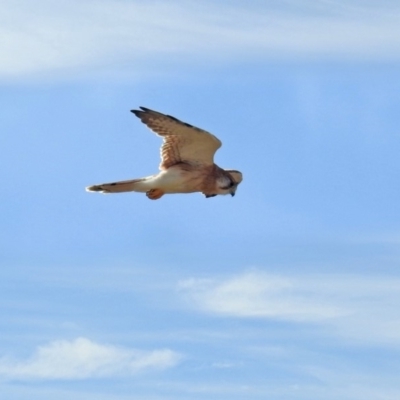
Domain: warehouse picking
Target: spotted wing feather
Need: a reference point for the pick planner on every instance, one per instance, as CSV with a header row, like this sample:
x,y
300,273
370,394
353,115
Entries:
x,y
181,142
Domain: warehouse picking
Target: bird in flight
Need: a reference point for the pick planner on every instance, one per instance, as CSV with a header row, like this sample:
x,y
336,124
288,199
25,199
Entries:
x,y
187,162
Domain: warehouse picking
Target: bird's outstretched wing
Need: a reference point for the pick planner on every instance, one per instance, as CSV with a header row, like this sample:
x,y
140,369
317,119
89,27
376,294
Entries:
x,y
182,142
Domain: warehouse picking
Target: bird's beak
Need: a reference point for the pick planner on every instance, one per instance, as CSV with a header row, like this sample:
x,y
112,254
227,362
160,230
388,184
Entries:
x,y
232,194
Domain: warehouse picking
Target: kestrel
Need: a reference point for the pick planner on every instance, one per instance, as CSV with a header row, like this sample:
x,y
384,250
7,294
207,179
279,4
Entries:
x,y
187,162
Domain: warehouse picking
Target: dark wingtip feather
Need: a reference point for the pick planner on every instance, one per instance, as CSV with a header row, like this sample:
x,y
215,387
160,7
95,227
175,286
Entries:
x,y
142,110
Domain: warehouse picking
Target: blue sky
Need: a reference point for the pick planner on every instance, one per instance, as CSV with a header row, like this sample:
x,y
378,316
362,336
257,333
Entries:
x,y
289,290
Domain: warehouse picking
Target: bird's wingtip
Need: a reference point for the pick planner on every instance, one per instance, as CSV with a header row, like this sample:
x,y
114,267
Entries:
x,y
141,111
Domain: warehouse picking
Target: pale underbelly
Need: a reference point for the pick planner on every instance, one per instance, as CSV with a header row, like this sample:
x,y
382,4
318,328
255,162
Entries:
x,y
175,181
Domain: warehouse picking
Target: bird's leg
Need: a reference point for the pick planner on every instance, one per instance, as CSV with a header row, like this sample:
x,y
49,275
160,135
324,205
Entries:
x,y
209,195
154,194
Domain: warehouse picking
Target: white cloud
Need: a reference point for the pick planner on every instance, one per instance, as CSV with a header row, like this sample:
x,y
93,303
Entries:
x,y
350,306
67,37
259,295
82,358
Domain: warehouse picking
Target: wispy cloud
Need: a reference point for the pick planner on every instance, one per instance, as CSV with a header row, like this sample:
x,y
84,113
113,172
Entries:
x,y
82,359
89,37
258,295
349,306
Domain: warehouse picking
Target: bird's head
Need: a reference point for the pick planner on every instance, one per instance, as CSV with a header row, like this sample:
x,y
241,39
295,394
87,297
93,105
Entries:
x,y
230,182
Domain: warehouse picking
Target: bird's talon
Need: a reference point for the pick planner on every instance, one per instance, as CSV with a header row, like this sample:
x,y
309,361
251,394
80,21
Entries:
x,y
154,194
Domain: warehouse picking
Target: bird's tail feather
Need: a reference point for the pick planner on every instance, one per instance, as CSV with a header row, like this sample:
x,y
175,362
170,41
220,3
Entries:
x,y
134,185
